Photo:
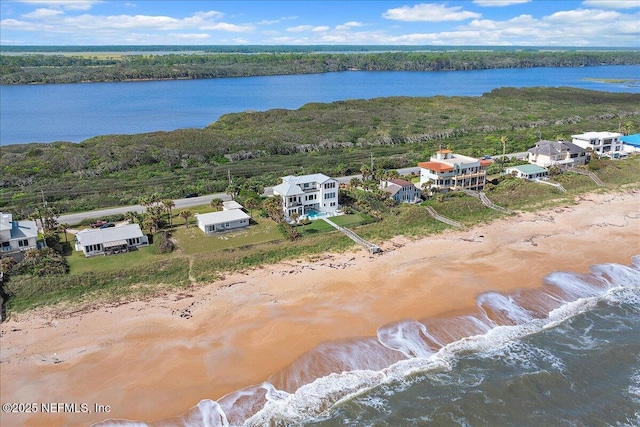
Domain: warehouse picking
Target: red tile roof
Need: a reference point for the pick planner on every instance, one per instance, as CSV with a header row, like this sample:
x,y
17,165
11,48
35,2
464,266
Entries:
x,y
436,166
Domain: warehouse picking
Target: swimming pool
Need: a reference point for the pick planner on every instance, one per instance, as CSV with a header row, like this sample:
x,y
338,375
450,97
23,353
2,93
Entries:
x,y
313,214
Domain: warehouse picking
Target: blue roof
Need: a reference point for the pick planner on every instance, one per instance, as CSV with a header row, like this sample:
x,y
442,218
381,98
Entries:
x,y
633,140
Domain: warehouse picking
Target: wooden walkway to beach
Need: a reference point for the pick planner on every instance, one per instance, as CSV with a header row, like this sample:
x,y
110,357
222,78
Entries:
x,y
488,203
444,219
590,174
370,247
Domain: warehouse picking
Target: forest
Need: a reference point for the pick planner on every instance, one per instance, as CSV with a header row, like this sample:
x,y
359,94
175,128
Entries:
x,y
99,66
254,149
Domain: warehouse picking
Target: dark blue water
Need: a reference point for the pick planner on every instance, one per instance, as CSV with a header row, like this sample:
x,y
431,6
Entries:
x,y
75,112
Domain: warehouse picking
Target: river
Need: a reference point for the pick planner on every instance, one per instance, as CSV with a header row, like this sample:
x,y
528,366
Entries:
x,y
75,112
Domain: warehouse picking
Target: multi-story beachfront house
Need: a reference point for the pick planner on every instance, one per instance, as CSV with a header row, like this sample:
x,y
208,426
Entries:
x,y
16,237
307,194
557,153
449,171
602,143
401,190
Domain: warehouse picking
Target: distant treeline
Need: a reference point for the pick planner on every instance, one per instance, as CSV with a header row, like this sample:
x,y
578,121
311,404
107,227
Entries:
x,y
58,68
256,148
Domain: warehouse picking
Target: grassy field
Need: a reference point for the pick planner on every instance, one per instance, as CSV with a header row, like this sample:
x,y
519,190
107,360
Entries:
x,y
193,241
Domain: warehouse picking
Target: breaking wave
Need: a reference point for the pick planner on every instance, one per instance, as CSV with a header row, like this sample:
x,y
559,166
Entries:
x,y
337,371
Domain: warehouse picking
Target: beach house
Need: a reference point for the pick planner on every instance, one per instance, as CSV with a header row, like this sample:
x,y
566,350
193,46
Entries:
x,y
527,171
557,153
603,143
307,194
227,219
16,237
449,171
401,190
109,241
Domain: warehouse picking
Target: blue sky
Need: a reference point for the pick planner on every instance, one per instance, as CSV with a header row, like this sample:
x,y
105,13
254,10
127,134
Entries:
x,y
607,23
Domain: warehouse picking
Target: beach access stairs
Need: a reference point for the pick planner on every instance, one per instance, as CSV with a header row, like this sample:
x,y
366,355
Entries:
x,y
553,184
370,247
486,202
590,174
444,219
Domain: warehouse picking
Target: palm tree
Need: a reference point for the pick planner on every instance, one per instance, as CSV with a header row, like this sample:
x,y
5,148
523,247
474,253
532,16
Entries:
x,y
186,213
168,205
217,204
252,203
62,228
365,171
294,216
232,190
132,217
355,182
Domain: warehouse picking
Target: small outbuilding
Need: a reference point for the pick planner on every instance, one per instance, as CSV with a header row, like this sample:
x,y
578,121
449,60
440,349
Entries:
x,y
528,171
214,222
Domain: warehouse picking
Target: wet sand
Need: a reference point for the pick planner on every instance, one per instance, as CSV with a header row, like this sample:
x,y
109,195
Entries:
x,y
150,360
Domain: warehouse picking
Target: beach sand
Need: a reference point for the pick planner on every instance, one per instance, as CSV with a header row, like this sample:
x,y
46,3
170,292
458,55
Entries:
x,y
154,359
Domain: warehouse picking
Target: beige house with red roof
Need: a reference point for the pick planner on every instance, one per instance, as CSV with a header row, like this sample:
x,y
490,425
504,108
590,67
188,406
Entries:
x,y
449,171
401,190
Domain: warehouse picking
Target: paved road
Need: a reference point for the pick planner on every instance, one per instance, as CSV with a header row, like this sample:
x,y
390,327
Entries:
x,y
76,218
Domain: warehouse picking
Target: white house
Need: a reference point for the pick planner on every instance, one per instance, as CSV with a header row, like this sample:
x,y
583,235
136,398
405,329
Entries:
x,y
108,241
307,193
401,190
447,170
17,236
600,142
527,171
556,153
213,222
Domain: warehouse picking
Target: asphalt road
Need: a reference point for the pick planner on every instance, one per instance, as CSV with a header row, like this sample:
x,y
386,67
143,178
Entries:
x,y
76,218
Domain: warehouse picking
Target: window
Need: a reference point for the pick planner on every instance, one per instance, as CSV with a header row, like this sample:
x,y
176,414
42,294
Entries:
x,y
330,185
329,196
23,243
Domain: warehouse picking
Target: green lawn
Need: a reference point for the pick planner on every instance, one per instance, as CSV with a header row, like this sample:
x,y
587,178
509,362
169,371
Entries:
x,y
79,264
193,241
320,226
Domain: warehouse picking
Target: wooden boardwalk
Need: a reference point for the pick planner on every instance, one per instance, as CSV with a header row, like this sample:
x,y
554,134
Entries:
x,y
444,219
370,247
590,174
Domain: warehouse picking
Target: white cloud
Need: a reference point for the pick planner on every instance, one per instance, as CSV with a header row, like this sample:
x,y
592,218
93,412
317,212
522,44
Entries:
x,y
612,4
299,28
320,28
202,21
65,4
42,14
349,25
189,36
499,3
429,13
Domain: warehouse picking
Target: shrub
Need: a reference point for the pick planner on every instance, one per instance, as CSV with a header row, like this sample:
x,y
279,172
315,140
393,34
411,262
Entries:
x,y
164,243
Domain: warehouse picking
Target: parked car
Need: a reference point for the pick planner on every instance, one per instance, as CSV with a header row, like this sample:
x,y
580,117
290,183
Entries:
x,y
190,195
98,224
108,225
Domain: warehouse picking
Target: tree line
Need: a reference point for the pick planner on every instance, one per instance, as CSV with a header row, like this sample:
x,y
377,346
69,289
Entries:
x,y
39,68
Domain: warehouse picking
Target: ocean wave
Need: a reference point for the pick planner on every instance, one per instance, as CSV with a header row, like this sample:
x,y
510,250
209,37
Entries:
x,y
428,346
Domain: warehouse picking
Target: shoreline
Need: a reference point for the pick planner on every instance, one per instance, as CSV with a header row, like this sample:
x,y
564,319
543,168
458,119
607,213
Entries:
x,y
156,358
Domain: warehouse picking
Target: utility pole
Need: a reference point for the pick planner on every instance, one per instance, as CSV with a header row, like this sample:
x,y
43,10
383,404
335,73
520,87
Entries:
x,y
44,202
229,175
371,164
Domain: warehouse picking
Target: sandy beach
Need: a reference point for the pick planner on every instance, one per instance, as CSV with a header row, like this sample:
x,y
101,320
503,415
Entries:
x,y
155,359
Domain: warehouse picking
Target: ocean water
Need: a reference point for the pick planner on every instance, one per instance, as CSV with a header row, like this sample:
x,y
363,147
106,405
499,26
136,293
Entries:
x,y
566,354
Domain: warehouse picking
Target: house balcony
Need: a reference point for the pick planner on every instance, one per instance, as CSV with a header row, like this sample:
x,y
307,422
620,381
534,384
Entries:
x,y
469,175
292,204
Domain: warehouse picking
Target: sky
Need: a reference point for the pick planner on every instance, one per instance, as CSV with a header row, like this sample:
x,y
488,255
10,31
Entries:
x,y
586,23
